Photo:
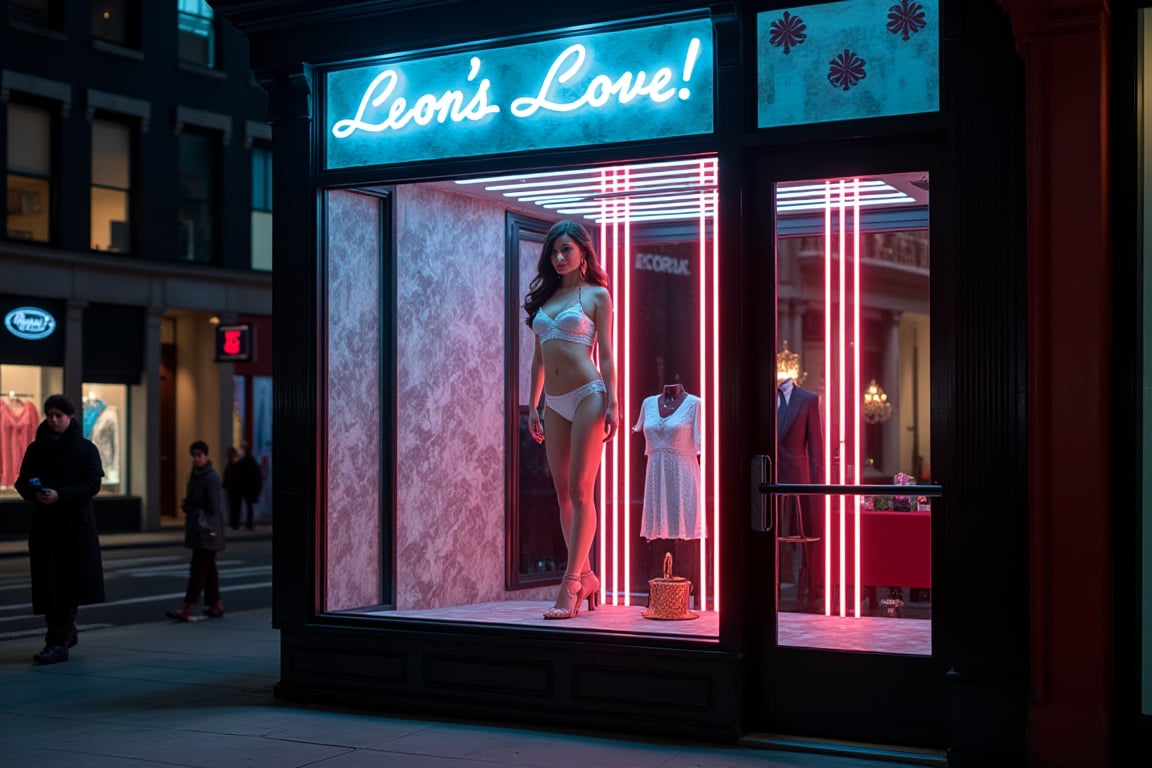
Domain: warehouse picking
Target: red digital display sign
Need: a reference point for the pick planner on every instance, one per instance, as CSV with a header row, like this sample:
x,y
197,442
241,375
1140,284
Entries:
x,y
234,343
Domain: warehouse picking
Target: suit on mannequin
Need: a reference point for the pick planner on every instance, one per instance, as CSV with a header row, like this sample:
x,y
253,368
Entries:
x,y
800,459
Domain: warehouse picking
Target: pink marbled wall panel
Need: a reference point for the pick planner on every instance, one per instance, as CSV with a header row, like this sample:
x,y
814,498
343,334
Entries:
x,y
450,400
352,518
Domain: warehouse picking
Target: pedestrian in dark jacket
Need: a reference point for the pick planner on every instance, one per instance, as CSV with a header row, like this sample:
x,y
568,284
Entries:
x,y
243,482
60,474
203,534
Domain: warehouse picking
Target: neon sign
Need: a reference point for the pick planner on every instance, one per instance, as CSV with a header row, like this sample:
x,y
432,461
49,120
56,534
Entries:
x,y
30,323
234,343
627,85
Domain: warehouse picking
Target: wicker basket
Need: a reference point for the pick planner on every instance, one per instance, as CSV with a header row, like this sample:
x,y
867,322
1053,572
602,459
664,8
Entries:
x,y
668,597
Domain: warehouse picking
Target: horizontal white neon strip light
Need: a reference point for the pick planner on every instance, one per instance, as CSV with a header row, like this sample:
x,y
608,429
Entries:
x,y
811,197
662,191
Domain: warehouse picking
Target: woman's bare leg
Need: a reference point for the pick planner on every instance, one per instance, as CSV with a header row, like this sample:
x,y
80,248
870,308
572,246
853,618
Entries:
x,y
587,440
558,449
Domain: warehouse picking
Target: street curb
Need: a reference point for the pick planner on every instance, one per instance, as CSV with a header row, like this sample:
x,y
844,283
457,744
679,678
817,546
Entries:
x,y
11,548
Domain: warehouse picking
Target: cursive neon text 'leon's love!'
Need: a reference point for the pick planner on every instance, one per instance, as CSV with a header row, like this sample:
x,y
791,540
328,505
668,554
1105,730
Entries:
x,y
441,108
567,86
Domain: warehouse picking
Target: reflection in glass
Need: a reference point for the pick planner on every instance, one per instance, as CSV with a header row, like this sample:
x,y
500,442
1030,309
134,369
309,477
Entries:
x,y
852,340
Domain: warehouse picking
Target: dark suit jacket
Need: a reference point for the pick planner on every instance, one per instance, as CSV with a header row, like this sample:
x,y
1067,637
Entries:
x,y
800,447
800,459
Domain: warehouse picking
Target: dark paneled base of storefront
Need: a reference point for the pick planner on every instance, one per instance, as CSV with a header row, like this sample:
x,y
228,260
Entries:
x,y
624,687
114,514
987,723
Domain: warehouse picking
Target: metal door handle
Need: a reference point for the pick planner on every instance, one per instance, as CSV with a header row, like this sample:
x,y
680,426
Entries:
x,y
761,502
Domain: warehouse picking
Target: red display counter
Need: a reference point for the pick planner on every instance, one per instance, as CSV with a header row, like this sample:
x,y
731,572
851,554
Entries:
x,y
895,548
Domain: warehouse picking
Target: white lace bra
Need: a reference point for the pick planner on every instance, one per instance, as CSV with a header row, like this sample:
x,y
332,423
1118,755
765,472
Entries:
x,y
570,324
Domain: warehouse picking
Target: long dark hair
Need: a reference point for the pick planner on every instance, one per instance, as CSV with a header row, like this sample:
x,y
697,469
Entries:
x,y
547,279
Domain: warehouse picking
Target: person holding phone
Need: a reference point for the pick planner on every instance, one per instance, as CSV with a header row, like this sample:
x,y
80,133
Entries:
x,y
60,473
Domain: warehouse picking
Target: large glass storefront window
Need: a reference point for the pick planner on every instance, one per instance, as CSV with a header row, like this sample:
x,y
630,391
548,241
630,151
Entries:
x,y
103,413
471,530
23,389
853,408
105,418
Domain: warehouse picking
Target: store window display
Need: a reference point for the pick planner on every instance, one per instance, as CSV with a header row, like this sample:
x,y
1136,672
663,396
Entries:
x,y
104,426
103,418
22,388
19,418
469,468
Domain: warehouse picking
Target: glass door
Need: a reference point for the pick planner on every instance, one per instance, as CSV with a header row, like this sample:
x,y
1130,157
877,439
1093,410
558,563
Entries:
x,y
853,266
843,490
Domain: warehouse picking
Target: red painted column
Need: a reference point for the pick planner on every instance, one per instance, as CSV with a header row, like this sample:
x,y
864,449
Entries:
x,y
1066,47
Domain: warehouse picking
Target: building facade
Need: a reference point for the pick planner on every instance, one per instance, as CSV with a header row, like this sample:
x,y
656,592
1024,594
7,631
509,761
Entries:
x,y
925,215
138,224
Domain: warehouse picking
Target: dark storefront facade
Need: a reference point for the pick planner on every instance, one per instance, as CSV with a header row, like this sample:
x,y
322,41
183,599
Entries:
x,y
136,221
843,196
143,377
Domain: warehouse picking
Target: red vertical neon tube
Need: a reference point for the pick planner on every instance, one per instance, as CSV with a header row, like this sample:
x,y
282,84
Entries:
x,y
857,343
624,258
841,407
605,216
827,543
714,413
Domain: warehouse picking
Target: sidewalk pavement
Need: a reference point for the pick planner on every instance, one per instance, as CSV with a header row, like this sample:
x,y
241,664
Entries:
x,y
168,534
200,694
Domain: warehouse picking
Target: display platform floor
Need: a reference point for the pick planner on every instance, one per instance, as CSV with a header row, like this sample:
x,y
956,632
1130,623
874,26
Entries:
x,y
606,618
867,633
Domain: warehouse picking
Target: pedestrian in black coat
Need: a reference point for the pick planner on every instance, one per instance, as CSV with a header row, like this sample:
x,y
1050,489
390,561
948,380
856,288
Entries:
x,y
243,482
251,482
60,473
203,534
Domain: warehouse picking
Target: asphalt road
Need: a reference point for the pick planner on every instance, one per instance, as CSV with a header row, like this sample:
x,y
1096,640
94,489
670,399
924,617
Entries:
x,y
140,584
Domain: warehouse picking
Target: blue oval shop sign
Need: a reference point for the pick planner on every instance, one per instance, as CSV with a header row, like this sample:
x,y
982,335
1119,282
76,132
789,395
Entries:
x,y
30,323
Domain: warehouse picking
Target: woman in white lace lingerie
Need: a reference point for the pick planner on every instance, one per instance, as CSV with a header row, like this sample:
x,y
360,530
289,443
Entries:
x,y
569,309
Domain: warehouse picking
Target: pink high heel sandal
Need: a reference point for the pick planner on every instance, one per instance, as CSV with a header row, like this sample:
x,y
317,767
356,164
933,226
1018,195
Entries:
x,y
568,601
590,589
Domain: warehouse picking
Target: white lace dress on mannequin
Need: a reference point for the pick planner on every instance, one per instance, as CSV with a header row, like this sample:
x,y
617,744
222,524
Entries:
x,y
672,485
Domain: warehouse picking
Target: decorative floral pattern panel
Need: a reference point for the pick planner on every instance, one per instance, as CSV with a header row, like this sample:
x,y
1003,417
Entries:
x,y
847,61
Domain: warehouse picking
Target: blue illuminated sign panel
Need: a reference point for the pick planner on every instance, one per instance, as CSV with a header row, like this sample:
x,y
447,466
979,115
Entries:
x,y
847,60
31,323
627,85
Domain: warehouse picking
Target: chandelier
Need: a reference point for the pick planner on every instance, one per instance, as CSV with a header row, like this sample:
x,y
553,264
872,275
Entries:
x,y
876,405
788,365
